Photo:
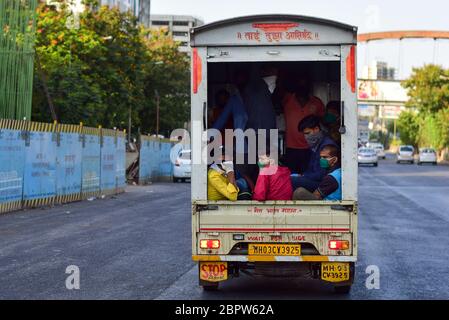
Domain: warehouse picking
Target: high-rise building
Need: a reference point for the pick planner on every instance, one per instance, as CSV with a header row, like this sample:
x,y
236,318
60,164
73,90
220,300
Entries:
x,y
178,27
124,5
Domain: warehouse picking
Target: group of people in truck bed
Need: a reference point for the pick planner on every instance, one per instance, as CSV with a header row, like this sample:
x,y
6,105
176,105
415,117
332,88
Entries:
x,y
310,168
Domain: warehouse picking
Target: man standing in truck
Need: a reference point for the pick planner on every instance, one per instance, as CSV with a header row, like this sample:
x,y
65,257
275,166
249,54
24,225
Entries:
x,y
297,106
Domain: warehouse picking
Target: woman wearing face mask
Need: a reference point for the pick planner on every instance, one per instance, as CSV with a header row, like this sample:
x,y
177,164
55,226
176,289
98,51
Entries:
x,y
221,181
273,182
317,140
330,187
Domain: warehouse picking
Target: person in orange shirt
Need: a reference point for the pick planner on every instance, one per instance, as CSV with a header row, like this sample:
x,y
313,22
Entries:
x,y
298,105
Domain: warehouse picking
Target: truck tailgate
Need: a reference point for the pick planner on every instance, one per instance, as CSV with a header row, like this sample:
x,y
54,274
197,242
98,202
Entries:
x,y
280,216
312,224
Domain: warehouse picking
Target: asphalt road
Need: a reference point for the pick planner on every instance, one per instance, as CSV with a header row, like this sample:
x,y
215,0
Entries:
x,y
137,245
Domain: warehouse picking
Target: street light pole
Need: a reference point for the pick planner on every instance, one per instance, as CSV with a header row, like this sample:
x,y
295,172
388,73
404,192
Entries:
x,y
158,99
129,124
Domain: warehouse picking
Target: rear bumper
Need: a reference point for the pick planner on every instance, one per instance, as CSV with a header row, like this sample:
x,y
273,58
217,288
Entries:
x,y
368,161
427,159
243,258
406,158
180,172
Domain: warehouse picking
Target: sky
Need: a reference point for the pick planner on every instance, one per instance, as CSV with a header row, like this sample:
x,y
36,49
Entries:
x,y
369,16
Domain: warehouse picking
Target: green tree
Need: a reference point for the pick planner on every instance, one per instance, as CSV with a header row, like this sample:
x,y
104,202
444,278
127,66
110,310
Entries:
x,y
106,67
409,128
168,74
428,89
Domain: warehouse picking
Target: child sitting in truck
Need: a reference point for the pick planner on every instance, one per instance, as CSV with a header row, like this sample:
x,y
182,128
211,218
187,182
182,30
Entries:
x,y
330,187
273,182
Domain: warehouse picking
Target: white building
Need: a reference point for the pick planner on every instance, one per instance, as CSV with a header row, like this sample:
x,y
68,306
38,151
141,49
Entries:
x,y
75,6
378,70
178,27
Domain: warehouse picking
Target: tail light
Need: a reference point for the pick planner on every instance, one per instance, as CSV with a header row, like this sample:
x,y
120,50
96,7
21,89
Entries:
x,y
209,244
338,245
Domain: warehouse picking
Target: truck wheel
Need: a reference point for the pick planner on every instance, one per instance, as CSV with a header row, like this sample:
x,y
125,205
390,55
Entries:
x,y
211,287
342,289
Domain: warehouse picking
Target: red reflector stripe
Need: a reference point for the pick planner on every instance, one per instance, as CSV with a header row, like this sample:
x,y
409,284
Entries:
x,y
350,69
278,230
197,72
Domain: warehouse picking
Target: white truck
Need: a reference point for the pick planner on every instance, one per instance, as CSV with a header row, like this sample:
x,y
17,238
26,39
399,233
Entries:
x,y
316,239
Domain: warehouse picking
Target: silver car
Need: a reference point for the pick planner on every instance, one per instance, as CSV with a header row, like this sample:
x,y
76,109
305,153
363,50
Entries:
x,y
368,156
427,155
406,154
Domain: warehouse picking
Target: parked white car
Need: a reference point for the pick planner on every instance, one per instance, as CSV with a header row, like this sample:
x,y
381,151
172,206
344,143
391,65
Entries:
x,y
405,154
379,148
182,169
368,156
427,155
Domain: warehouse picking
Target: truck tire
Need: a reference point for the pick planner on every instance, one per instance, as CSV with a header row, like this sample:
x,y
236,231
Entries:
x,y
342,289
213,286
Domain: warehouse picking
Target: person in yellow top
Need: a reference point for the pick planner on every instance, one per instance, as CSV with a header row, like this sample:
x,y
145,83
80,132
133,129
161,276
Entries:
x,y
221,182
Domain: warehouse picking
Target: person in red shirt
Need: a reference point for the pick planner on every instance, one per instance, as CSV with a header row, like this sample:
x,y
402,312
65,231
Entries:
x,y
298,105
273,182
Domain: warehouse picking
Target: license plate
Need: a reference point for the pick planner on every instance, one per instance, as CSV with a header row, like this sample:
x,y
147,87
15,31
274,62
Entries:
x,y
274,250
214,271
335,272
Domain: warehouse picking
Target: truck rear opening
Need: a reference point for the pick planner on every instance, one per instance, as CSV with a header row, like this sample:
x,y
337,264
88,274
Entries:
x,y
316,239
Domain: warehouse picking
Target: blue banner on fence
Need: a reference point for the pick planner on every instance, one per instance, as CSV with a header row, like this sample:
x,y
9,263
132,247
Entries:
x,y
165,165
68,164
91,164
120,168
108,159
144,161
154,162
12,162
40,166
